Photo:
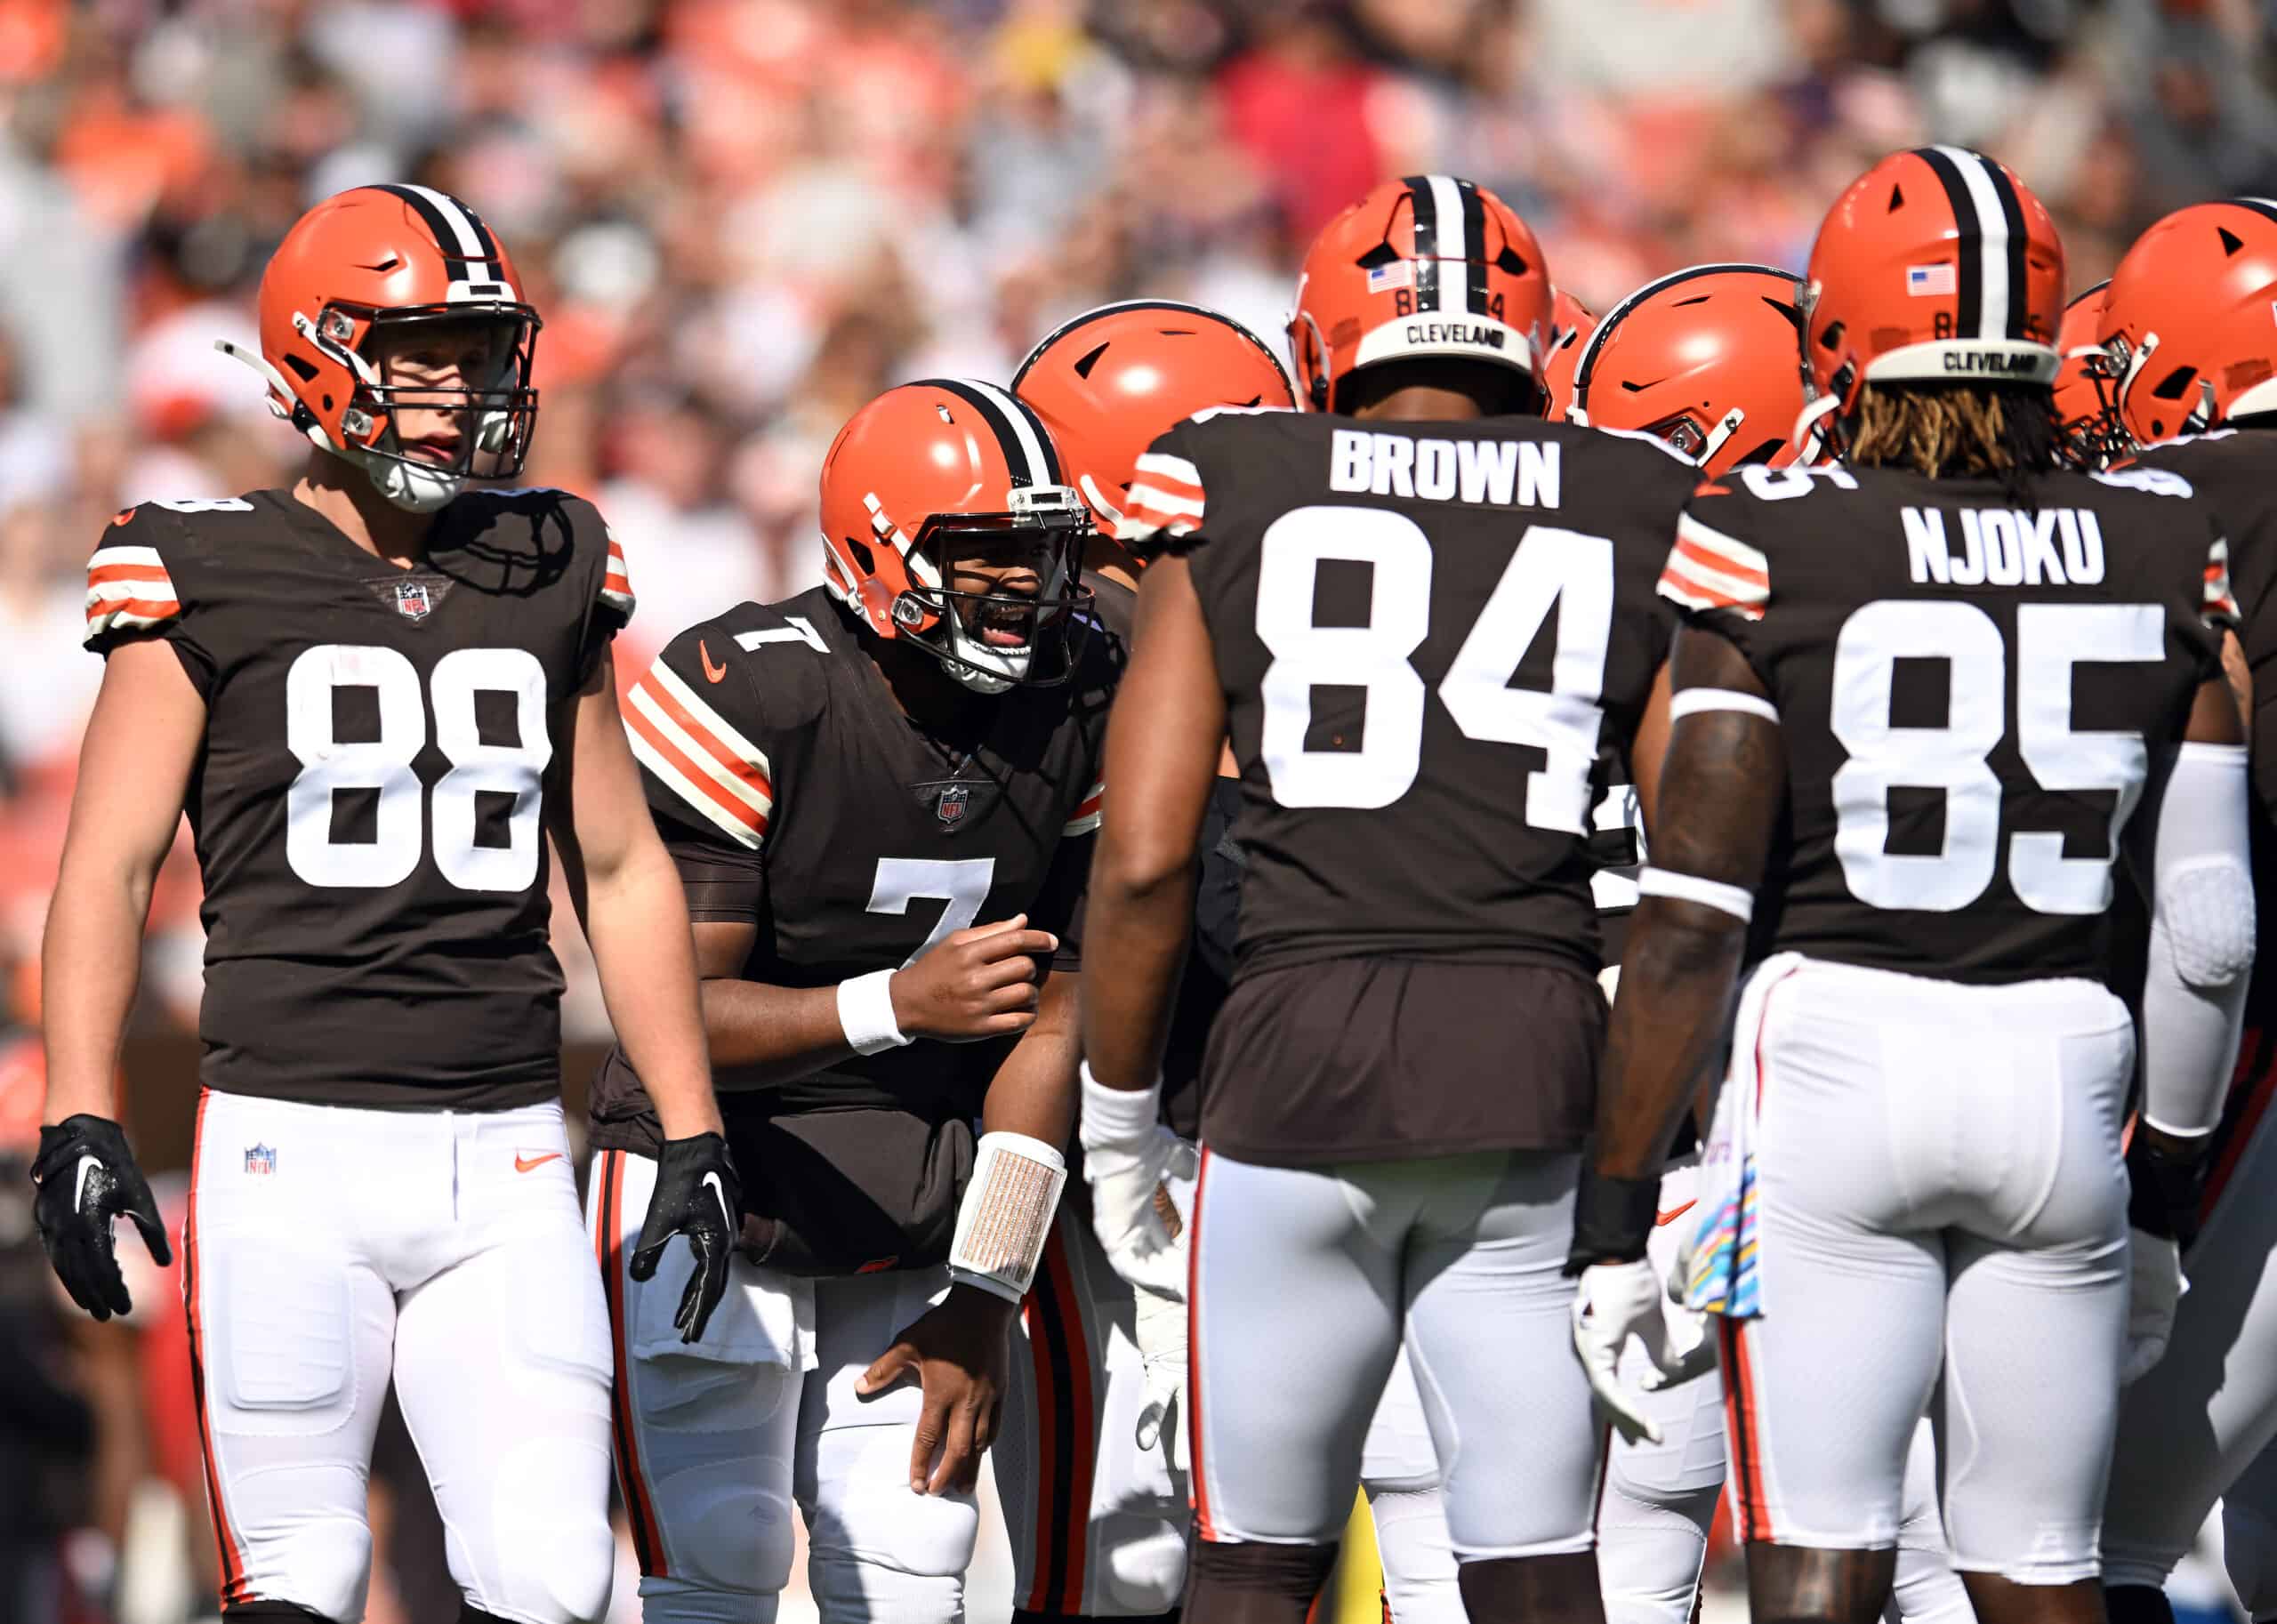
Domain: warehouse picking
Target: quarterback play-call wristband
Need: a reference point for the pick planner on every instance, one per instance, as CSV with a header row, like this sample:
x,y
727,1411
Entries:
x,y
1613,1219
866,1013
1006,1215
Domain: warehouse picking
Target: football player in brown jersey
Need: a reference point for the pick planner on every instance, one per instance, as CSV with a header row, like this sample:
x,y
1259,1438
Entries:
x,y
1706,358
878,793
377,693
1381,1166
2189,353
1103,1532
1916,698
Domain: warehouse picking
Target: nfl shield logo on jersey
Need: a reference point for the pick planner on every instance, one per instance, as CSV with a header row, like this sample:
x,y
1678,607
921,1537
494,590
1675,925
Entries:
x,y
412,600
260,1159
950,808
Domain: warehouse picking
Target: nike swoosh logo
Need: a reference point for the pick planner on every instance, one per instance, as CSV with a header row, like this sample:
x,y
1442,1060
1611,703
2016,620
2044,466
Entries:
x,y
522,1164
87,1164
1674,1213
712,1181
711,673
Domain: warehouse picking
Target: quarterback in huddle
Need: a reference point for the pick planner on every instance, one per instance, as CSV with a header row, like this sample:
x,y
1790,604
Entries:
x,y
1548,920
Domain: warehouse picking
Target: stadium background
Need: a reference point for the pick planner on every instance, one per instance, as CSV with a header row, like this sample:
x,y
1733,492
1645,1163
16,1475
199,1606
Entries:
x,y
742,218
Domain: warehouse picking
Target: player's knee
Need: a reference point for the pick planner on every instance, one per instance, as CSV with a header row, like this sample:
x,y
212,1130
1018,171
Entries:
x,y
320,1566
1142,1560
1297,1571
730,1530
557,1569
850,1586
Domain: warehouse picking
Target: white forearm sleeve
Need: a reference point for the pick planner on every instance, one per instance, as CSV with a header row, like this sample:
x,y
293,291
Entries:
x,y
2201,940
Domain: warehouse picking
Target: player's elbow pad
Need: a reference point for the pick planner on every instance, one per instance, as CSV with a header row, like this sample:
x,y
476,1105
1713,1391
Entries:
x,y
2201,887
2201,940
2206,915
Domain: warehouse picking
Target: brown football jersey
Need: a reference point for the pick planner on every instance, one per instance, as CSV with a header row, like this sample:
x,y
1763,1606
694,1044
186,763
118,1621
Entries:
x,y
1976,687
369,804
1424,631
796,796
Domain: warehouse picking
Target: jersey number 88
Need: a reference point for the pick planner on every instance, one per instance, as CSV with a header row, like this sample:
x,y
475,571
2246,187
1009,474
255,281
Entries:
x,y
384,765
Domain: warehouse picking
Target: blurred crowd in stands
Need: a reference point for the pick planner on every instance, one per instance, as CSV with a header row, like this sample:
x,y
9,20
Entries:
x,y
742,218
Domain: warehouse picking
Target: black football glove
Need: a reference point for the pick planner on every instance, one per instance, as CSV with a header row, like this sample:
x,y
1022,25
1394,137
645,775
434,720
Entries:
x,y
699,1195
87,1178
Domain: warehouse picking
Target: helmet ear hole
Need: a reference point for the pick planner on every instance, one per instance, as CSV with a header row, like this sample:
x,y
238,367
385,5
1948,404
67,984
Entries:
x,y
2171,386
305,369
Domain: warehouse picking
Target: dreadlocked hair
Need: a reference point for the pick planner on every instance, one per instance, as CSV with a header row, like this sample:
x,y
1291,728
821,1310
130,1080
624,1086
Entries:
x,y
1959,430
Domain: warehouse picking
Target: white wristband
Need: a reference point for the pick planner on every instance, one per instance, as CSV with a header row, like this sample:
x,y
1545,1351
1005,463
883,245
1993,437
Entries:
x,y
1006,1214
866,1013
1735,900
1117,1117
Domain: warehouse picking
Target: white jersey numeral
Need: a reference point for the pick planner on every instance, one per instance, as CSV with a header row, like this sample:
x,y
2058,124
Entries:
x,y
2051,639
962,883
1551,569
384,765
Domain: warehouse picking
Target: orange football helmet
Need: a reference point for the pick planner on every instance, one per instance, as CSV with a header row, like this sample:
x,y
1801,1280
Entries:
x,y
2189,319
1112,381
391,257
931,472
1430,265
2087,407
1937,265
1697,358
1571,324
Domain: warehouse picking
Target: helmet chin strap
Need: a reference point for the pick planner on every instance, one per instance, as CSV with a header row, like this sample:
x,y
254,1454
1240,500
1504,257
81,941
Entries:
x,y
1806,433
414,488
408,486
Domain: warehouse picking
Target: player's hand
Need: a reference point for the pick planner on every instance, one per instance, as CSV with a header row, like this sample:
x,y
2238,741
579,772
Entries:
x,y
699,1195
2154,1291
87,1178
1131,1211
956,1350
1159,1331
1617,1301
981,982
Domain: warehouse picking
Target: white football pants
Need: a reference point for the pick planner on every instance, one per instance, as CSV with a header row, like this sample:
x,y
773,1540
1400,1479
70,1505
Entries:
x,y
328,1248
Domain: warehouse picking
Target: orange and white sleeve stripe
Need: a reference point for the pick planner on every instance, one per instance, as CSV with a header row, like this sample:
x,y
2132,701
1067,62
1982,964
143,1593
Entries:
x,y
616,585
1085,817
2220,601
128,589
1165,498
1710,570
719,774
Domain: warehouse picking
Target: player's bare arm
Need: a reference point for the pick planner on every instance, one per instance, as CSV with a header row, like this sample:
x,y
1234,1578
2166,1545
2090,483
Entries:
x,y
1163,748
977,982
629,899
1649,750
1725,774
134,767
